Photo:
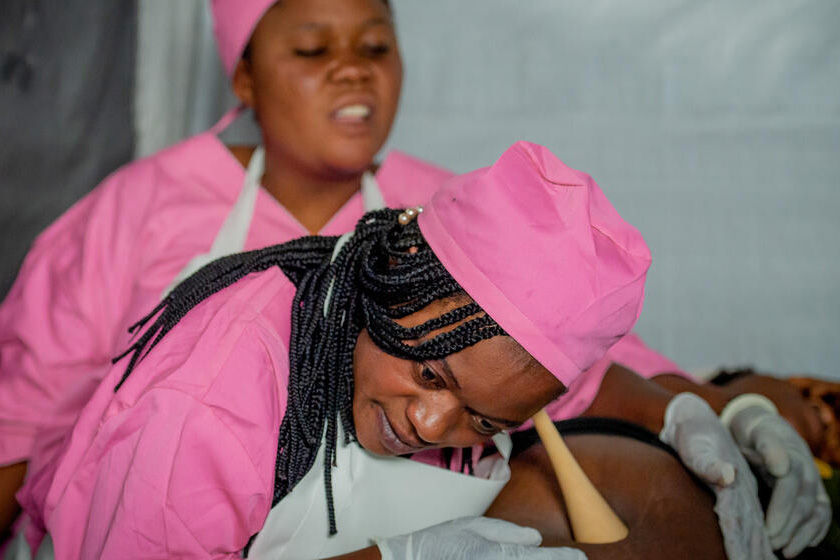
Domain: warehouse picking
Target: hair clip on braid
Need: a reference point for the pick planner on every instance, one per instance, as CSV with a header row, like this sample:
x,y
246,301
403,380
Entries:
x,y
409,214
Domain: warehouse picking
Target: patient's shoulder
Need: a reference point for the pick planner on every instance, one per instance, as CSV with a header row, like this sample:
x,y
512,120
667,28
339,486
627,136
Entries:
x,y
668,513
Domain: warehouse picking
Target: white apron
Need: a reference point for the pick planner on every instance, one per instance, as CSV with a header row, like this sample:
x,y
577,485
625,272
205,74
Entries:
x,y
373,496
234,230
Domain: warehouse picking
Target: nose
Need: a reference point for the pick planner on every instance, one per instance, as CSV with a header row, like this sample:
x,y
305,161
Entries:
x,y
351,67
434,415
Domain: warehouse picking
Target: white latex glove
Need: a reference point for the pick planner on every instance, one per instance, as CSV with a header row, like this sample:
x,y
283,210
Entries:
x,y
707,449
473,537
799,514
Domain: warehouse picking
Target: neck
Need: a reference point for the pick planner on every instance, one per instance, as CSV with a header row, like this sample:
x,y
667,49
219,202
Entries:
x,y
312,199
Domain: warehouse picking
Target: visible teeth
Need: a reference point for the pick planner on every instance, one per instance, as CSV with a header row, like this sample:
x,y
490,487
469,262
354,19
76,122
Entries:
x,y
353,111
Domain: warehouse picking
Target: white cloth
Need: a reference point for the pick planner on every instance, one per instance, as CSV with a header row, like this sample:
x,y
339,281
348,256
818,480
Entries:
x,y
375,497
234,230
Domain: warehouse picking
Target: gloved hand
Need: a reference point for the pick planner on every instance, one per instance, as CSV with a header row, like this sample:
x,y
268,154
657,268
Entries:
x,y
707,449
473,537
799,514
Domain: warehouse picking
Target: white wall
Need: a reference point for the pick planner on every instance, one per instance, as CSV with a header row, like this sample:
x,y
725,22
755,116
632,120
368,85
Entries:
x,y
714,127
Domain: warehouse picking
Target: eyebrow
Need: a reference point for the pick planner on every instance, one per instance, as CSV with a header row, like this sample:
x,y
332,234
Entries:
x,y
314,25
454,380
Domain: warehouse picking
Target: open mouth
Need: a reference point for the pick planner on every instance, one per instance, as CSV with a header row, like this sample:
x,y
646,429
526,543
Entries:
x,y
354,113
389,438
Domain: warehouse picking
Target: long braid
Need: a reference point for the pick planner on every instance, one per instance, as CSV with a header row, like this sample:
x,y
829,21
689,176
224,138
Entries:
x,y
385,271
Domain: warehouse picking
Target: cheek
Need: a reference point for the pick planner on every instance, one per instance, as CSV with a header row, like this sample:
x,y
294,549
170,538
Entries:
x,y
391,76
287,94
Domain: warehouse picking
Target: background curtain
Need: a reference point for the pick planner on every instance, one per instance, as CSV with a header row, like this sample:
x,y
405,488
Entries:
x,y
66,83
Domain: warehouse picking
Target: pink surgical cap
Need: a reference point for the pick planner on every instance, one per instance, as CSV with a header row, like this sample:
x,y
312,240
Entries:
x,y
233,24
540,248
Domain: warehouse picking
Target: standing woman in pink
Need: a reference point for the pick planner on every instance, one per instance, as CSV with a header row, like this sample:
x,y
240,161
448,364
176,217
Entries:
x,y
324,80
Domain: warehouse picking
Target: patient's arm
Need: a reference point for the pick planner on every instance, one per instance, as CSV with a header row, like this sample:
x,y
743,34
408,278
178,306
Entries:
x,y
650,397
668,514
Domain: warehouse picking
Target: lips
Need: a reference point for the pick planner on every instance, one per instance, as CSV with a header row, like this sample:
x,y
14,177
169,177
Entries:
x,y
389,438
356,112
353,110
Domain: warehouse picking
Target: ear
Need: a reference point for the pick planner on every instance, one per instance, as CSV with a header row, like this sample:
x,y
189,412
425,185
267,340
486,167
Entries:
x,y
243,83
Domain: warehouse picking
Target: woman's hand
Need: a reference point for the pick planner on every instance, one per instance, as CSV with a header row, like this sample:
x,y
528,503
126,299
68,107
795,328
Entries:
x,y
707,449
474,537
799,514
790,402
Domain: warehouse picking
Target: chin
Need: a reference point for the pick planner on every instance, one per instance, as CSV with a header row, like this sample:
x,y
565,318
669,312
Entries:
x,y
371,445
352,160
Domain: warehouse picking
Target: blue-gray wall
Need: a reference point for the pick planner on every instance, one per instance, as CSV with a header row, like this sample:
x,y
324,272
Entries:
x,y
713,126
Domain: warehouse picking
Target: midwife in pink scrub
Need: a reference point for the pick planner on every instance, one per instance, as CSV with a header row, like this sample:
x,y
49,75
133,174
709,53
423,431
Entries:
x,y
265,401
325,96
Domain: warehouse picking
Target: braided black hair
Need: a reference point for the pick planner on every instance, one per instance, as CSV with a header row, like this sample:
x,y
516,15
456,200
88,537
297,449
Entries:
x,y
385,271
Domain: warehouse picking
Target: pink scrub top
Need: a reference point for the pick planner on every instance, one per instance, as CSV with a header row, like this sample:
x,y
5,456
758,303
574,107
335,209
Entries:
x,y
180,462
108,259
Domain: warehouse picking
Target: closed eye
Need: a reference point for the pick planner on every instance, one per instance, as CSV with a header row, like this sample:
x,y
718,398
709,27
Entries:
x,y
376,49
310,53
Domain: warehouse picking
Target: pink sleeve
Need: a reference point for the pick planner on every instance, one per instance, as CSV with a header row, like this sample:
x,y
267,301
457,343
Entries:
x,y
630,352
58,320
182,469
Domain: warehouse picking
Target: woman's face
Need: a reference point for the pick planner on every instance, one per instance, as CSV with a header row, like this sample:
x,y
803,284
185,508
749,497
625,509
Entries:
x,y
401,407
323,77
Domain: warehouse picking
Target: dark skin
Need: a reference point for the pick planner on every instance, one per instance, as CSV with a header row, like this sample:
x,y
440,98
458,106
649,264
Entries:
x,y
667,513
324,81
648,488
11,479
456,402
647,407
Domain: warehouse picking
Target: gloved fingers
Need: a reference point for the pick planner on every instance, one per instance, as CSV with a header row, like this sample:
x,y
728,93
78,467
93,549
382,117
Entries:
x,y
547,554
806,499
782,502
824,507
496,530
753,457
774,456
705,463
740,545
811,533
740,518
733,541
720,473
566,553
801,513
